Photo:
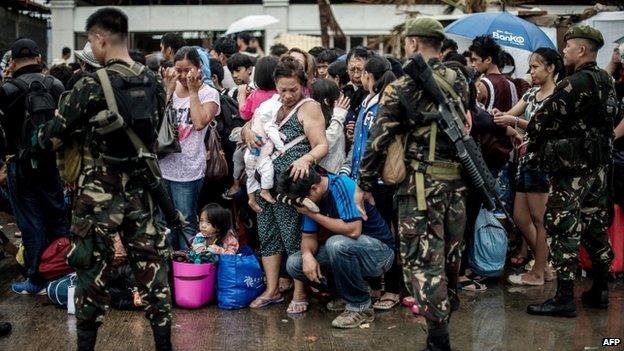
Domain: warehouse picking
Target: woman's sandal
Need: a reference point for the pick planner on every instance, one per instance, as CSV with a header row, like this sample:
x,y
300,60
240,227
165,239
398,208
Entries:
x,y
261,302
385,304
518,279
297,307
472,285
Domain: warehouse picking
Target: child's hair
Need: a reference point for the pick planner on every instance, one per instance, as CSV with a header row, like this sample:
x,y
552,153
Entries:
x,y
219,217
263,73
326,92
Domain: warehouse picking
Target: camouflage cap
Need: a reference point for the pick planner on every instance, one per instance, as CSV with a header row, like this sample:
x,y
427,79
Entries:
x,y
585,32
424,27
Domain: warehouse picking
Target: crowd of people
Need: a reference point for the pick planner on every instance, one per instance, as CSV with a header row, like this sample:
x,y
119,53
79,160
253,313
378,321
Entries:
x,y
305,139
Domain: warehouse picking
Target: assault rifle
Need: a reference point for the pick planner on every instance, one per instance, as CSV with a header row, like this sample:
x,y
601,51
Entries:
x,y
448,120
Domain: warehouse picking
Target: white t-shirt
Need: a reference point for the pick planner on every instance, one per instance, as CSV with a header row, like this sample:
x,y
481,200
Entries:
x,y
190,164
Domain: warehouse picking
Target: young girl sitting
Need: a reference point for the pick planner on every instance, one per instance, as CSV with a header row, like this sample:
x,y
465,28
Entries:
x,y
215,236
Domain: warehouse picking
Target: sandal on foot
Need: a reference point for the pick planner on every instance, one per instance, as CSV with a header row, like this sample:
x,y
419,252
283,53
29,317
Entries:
x,y
475,277
472,285
297,307
518,279
261,302
408,301
385,304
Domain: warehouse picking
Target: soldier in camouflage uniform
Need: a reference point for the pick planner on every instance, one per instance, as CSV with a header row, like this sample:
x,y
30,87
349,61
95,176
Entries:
x,y
431,199
571,138
110,198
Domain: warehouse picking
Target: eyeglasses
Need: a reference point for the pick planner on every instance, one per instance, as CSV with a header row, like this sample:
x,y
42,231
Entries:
x,y
356,70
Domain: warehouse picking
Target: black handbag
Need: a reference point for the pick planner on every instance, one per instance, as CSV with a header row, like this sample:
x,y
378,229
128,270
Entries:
x,y
168,142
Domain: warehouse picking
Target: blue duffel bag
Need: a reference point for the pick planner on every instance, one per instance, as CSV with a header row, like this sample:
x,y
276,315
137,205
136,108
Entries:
x,y
58,289
489,251
239,279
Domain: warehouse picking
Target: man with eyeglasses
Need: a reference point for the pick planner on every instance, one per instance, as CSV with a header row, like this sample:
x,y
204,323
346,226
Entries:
x,y
355,66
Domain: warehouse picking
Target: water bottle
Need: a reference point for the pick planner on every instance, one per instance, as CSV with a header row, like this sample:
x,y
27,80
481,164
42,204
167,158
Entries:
x,y
256,150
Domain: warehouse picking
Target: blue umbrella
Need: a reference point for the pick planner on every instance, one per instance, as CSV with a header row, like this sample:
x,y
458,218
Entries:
x,y
505,28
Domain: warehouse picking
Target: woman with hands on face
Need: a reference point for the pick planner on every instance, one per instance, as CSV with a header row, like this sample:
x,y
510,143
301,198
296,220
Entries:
x,y
195,105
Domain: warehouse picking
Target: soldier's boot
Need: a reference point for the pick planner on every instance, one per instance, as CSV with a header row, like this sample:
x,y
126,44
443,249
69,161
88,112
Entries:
x,y
87,335
438,337
598,295
162,337
562,305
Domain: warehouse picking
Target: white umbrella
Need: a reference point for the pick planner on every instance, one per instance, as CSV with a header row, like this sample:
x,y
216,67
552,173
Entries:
x,y
251,22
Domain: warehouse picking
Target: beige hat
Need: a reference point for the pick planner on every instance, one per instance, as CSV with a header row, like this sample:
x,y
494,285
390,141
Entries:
x,y
86,55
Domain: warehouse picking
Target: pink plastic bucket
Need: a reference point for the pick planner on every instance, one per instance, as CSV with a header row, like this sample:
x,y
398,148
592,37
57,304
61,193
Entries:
x,y
193,283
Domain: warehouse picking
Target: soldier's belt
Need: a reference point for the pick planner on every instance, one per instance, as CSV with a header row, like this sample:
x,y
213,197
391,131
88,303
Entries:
x,y
437,170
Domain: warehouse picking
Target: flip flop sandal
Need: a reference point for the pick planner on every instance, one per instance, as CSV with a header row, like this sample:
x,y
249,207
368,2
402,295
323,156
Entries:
x,y
519,260
516,279
384,306
471,285
475,277
264,301
296,303
408,301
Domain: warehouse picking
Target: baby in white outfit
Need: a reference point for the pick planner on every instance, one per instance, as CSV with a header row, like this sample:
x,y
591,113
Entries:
x,y
259,159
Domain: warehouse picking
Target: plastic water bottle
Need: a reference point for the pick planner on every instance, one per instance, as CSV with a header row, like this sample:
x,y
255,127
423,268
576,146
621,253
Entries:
x,y
256,150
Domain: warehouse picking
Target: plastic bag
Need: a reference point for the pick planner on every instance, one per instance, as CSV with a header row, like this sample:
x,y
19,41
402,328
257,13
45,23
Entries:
x,y
239,279
487,255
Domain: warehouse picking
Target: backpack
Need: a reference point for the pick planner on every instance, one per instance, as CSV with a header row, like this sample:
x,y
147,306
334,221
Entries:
x,y
229,117
489,250
53,264
39,108
136,96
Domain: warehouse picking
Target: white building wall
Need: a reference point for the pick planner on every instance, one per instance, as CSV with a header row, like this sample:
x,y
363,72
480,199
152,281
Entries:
x,y
354,19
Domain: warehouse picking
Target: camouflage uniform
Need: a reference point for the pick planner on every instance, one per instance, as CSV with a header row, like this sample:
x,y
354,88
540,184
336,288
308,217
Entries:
x,y
109,201
430,232
578,209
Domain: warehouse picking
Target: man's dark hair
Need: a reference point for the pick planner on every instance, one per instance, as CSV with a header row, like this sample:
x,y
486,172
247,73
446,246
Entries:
x,y
226,46
263,72
278,50
245,37
484,46
299,188
449,44
173,41
137,56
339,68
359,52
66,51
327,56
455,56
239,60
109,19
62,73
434,43
315,51
216,68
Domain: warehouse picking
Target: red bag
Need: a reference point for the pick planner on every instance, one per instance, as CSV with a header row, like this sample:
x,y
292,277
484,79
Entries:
x,y
616,237
53,263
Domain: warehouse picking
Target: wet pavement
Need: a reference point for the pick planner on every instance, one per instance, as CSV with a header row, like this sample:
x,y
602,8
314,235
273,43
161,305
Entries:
x,y
491,320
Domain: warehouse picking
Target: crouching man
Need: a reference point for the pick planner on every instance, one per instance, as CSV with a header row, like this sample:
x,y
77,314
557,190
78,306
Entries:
x,y
357,247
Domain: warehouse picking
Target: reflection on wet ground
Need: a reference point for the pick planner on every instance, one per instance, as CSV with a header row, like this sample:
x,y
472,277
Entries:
x,y
492,320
